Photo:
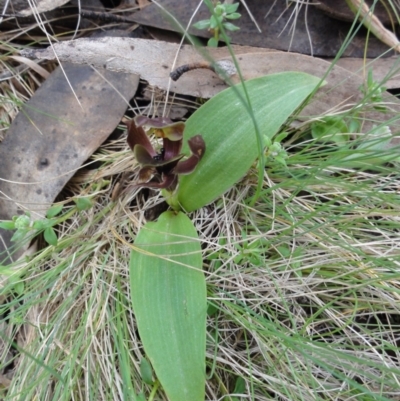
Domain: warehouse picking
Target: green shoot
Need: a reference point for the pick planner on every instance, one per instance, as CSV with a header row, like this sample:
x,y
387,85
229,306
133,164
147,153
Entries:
x,y
220,15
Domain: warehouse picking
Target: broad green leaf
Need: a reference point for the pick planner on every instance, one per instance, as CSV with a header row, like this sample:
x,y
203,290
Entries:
x,y
140,397
169,300
41,224
231,8
7,225
233,16
374,151
214,21
20,235
23,222
54,210
212,42
229,133
240,386
19,288
230,27
83,203
50,236
203,24
146,372
330,129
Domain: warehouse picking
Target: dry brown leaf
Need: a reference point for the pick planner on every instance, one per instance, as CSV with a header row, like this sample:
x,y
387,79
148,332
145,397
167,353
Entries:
x,y
4,381
32,64
387,69
373,23
340,10
152,60
54,135
295,26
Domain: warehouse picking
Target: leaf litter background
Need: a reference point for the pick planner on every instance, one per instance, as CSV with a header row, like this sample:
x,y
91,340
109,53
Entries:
x,y
302,304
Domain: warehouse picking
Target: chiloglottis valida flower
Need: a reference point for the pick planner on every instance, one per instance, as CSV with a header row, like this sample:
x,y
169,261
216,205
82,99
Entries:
x,y
160,169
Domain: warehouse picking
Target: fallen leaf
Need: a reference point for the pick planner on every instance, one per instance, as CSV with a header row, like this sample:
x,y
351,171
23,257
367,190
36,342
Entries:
x,y
292,26
385,70
152,60
42,6
4,382
53,135
340,10
33,65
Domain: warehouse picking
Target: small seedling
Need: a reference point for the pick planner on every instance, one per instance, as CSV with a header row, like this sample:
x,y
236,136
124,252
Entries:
x,y
374,91
26,228
219,14
331,129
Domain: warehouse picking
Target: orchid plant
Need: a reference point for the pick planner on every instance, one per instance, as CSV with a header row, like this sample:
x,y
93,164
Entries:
x,y
167,282
161,169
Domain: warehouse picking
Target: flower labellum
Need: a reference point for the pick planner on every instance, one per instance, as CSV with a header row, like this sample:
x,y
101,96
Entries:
x,y
161,169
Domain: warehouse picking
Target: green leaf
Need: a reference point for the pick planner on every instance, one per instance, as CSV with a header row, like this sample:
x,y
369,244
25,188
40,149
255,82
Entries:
x,y
230,27
15,281
50,236
212,42
211,310
375,150
7,225
19,288
240,386
54,211
6,271
43,224
215,21
219,9
141,397
169,300
20,235
203,24
83,203
330,129
229,133
23,222
231,8
233,16
146,372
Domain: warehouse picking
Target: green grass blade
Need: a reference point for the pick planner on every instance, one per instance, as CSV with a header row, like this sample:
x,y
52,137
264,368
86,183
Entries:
x,y
229,133
169,300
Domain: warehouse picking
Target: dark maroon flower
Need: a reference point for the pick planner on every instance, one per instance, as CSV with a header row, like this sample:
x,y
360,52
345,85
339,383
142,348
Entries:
x,y
160,169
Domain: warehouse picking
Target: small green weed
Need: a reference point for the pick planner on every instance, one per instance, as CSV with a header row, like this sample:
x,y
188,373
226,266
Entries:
x,y
220,13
